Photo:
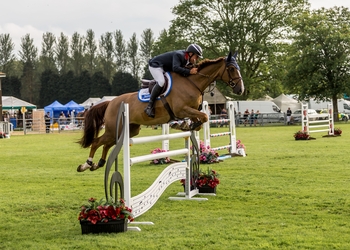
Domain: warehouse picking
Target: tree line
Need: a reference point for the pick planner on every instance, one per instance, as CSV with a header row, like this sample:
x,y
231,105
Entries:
x,y
73,69
284,47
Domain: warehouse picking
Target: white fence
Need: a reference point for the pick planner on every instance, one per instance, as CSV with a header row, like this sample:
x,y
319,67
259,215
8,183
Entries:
x,y
316,126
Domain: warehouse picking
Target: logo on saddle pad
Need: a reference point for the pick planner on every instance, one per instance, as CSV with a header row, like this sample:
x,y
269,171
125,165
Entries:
x,y
144,93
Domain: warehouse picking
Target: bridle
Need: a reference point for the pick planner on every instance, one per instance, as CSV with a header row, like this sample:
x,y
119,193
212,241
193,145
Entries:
x,y
233,81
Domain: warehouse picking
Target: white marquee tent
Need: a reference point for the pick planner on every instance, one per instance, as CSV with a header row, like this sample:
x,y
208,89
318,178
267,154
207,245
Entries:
x,y
284,102
91,101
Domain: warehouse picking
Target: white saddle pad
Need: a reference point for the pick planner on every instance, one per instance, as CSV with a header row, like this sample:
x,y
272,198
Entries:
x,y
144,94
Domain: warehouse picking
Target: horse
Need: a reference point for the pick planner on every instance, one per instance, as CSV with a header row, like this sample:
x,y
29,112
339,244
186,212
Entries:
x,y
184,100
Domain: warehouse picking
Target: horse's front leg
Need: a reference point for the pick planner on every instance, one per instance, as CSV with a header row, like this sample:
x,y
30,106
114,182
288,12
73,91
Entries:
x,y
197,117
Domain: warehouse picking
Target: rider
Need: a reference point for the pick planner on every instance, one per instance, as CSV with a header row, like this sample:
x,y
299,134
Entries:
x,y
178,61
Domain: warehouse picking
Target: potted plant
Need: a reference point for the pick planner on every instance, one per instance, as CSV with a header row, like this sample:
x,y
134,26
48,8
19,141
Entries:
x,y
207,154
338,131
160,160
3,135
104,216
206,181
301,135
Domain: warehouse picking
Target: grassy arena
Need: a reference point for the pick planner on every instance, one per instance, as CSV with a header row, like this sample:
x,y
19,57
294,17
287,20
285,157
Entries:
x,y
285,194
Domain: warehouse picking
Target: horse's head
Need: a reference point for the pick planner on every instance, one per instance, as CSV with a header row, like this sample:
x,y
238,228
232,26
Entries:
x,y
232,75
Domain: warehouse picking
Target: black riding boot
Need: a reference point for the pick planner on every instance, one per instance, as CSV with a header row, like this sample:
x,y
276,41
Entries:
x,y
149,110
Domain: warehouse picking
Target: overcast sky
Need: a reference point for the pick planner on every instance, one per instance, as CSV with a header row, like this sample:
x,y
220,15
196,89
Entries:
x,y
20,17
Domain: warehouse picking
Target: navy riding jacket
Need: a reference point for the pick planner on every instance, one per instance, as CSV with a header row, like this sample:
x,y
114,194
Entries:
x,y
171,61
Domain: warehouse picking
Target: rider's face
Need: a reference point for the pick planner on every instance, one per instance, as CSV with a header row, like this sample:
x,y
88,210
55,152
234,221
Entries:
x,y
194,58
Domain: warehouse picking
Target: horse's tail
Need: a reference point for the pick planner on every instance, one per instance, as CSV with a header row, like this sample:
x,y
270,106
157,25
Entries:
x,y
93,121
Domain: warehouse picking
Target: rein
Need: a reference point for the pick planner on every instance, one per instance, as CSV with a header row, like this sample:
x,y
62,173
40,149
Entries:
x,y
206,76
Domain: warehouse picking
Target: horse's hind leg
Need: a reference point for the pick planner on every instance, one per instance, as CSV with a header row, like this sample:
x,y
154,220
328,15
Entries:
x,y
89,162
134,130
102,161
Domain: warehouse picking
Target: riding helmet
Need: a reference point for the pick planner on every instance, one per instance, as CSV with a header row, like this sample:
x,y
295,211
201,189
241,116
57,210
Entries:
x,y
195,48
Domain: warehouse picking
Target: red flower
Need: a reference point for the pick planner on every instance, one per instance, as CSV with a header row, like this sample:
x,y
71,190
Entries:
x,y
93,216
100,211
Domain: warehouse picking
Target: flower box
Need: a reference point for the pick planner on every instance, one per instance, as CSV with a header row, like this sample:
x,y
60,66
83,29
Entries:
x,y
206,182
301,135
104,216
204,189
113,226
301,139
338,131
207,190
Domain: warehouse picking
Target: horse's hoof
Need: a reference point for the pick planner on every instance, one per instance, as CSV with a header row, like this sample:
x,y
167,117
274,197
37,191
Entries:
x,y
195,125
80,169
184,126
83,167
95,167
175,126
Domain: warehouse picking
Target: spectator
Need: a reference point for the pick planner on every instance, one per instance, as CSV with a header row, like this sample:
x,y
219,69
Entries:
x,y
252,117
246,117
223,115
68,118
289,115
62,118
256,116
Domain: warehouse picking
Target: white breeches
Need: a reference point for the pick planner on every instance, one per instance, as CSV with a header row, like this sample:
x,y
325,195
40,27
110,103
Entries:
x,y
158,75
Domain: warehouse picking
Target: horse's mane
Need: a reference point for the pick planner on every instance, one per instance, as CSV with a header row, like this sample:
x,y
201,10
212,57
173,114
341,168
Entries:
x,y
202,64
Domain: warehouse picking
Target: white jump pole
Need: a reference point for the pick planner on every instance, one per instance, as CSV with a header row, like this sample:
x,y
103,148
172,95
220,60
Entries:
x,y
232,128
165,131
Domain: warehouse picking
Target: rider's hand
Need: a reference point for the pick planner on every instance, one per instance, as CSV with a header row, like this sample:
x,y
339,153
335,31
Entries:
x,y
193,71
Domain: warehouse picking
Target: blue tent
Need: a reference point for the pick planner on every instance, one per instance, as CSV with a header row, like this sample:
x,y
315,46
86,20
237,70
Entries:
x,y
55,109
72,105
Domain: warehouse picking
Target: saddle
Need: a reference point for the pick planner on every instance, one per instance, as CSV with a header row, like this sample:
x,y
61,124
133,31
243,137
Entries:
x,y
145,83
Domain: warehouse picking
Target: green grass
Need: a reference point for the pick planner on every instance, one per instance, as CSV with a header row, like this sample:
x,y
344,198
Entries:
x,y
285,194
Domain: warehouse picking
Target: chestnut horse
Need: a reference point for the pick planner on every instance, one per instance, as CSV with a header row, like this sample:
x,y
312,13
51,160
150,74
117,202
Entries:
x,y
184,101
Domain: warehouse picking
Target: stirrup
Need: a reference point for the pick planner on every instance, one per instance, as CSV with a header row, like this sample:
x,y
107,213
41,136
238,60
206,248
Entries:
x,y
150,111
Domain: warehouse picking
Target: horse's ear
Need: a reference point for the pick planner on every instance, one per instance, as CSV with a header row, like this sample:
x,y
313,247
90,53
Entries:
x,y
228,59
235,54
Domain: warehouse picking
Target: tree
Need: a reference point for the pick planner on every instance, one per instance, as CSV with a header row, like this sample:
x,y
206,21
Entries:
x,y
124,82
28,56
100,85
81,87
319,62
106,55
132,51
146,44
167,42
90,49
120,54
64,87
49,87
48,57
62,50
251,27
77,53
11,86
7,56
